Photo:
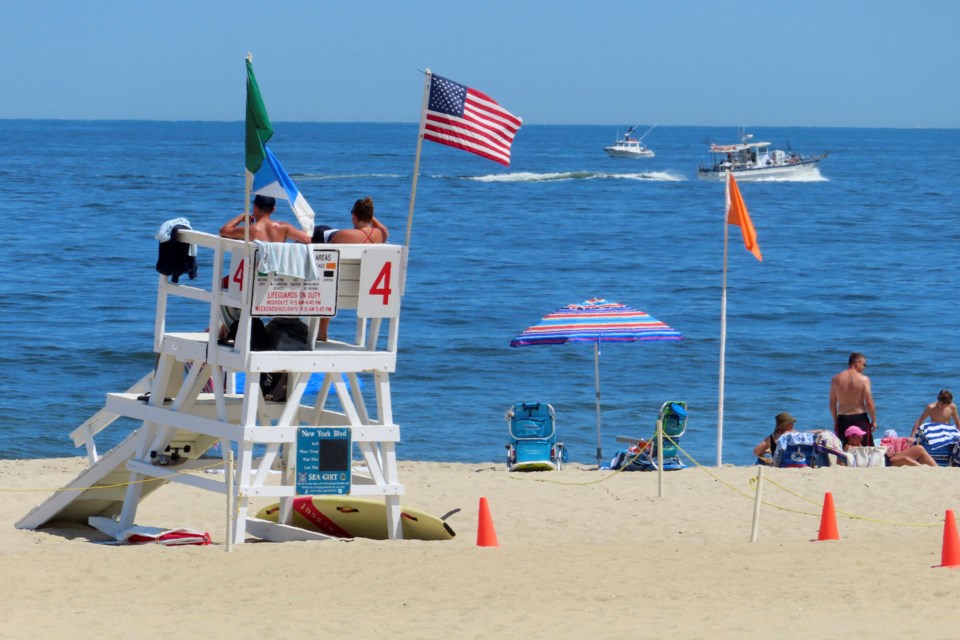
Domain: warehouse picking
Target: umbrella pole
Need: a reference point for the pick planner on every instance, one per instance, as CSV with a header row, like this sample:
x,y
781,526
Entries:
x,y
596,378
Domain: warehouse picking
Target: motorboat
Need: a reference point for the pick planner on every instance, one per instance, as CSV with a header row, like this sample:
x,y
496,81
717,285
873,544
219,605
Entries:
x,y
630,147
751,160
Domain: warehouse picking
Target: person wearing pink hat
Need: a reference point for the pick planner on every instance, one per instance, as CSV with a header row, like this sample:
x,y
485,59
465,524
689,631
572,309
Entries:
x,y
851,401
911,457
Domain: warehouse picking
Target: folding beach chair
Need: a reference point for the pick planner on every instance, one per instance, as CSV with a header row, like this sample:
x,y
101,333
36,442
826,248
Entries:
x,y
942,442
795,449
533,442
642,455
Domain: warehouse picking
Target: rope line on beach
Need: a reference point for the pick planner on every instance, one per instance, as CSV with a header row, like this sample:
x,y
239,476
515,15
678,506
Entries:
x,y
733,488
753,481
583,484
851,516
117,485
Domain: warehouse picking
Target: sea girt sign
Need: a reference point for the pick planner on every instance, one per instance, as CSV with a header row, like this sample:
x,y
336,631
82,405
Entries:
x,y
323,461
284,296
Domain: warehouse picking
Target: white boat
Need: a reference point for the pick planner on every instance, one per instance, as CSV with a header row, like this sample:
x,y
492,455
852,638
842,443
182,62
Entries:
x,y
629,147
750,160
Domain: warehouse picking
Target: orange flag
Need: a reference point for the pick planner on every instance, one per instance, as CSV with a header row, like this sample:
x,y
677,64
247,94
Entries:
x,y
737,214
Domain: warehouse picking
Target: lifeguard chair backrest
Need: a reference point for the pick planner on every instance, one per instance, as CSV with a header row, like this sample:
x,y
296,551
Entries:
x,y
370,278
531,421
673,418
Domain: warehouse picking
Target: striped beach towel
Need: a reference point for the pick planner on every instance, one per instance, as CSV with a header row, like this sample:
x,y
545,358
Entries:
x,y
942,441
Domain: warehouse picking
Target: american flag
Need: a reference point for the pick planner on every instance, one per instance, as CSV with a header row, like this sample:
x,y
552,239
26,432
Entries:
x,y
461,117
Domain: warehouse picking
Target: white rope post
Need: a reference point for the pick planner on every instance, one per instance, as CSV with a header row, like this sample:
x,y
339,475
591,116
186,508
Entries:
x,y
755,531
229,480
659,458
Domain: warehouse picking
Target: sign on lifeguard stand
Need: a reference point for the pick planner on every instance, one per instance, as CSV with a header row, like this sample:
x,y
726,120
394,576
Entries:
x,y
323,461
380,287
283,296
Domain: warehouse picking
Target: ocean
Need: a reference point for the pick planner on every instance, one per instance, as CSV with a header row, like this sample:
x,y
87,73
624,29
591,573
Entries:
x,y
856,258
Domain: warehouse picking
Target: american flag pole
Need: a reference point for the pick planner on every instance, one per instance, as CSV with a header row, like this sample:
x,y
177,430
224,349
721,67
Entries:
x,y
416,173
416,162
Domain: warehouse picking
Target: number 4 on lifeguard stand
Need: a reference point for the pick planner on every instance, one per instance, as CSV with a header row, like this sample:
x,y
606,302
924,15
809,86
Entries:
x,y
379,291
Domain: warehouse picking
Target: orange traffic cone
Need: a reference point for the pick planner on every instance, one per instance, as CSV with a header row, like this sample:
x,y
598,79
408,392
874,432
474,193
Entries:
x,y
828,520
951,542
486,536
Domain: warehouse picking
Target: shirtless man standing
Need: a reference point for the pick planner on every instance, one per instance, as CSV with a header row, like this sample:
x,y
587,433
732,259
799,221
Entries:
x,y
851,402
262,227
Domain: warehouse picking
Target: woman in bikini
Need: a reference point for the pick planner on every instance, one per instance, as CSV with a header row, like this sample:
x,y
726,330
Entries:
x,y
366,230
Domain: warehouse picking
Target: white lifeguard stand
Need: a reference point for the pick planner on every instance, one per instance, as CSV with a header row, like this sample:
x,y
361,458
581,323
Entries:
x,y
180,421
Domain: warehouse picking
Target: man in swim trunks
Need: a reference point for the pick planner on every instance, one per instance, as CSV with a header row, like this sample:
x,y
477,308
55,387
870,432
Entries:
x,y
851,402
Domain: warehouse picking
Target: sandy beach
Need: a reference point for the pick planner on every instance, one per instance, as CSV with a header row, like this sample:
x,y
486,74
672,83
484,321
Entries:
x,y
581,553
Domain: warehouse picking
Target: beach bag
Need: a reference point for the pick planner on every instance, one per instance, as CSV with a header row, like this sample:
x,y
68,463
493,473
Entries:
x,y
867,457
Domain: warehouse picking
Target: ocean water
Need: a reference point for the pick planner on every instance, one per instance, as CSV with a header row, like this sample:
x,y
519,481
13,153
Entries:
x,y
858,258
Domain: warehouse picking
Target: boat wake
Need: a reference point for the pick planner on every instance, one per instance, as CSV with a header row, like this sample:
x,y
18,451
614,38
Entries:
x,y
318,177
813,176
656,176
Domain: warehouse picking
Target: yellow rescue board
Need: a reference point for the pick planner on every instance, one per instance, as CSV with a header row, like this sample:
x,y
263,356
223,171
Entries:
x,y
346,517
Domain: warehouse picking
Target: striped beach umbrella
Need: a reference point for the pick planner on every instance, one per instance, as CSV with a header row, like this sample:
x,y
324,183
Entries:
x,y
595,321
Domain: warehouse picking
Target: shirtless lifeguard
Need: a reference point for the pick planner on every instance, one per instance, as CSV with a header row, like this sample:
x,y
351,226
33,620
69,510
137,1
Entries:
x,y
262,227
851,402
942,411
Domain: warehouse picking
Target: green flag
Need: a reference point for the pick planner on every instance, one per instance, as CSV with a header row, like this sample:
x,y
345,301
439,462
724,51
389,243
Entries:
x,y
259,128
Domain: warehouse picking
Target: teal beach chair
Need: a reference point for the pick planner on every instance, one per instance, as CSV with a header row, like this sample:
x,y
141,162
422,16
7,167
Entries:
x,y
533,442
642,454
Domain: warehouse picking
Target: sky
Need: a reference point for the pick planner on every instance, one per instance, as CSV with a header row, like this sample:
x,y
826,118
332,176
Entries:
x,y
834,63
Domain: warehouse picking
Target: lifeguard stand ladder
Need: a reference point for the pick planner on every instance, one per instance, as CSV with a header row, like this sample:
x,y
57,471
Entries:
x,y
181,420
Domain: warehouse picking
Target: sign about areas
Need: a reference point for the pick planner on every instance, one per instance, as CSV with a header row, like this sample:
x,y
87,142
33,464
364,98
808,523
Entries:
x,y
284,296
323,461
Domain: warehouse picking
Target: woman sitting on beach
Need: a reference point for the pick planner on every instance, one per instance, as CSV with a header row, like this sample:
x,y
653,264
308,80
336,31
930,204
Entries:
x,y
768,446
910,457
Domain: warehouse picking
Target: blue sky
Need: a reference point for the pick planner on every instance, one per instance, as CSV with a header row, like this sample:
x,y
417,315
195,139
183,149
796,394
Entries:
x,y
672,62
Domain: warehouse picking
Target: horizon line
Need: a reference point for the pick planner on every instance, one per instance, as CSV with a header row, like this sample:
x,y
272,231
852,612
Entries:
x,y
526,124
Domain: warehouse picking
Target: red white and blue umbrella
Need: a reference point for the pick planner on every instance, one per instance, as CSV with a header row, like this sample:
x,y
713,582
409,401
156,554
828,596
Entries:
x,y
596,321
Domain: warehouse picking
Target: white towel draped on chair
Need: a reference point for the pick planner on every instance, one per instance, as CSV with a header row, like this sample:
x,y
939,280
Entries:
x,y
287,259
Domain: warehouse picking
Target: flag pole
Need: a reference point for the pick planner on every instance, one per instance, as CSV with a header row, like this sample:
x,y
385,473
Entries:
x,y
723,323
405,251
416,162
247,188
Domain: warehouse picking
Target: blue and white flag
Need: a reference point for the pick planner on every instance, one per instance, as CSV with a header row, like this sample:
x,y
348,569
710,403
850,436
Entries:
x,y
272,180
